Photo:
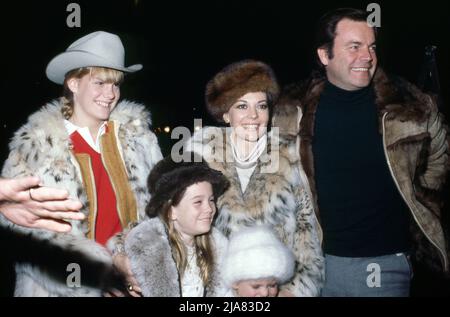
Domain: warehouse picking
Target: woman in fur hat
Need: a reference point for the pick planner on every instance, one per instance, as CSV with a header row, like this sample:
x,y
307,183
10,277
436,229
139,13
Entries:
x,y
263,169
94,146
257,262
175,252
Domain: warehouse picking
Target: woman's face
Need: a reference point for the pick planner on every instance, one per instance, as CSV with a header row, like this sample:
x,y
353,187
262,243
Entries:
x,y
94,99
256,288
249,116
195,212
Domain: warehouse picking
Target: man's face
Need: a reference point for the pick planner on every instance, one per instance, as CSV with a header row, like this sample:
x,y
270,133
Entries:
x,y
355,60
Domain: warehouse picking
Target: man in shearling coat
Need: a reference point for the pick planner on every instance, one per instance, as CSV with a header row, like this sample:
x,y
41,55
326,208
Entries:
x,y
374,151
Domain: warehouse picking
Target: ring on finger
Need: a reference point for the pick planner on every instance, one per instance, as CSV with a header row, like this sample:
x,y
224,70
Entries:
x,y
31,195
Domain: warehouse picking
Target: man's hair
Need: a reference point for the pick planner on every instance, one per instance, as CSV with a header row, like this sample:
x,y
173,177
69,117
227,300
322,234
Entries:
x,y
326,30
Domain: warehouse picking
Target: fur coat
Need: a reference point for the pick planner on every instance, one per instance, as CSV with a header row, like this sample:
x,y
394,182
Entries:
x,y
147,246
42,147
275,195
415,145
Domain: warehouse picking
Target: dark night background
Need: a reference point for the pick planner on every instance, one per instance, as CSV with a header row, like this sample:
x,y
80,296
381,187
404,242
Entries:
x,y
183,44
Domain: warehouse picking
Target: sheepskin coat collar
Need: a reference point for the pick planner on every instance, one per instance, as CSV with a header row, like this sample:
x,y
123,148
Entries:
x,y
415,146
275,195
42,147
150,254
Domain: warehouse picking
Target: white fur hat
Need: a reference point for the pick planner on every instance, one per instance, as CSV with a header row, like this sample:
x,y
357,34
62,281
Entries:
x,y
257,253
99,48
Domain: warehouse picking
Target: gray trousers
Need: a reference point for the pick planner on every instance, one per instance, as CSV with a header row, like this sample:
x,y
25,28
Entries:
x,y
383,276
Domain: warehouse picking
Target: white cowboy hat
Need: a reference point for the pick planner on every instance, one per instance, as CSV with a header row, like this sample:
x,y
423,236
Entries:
x,y
99,48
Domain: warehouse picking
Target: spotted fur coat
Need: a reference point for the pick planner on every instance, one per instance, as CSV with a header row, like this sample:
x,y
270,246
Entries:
x,y
275,195
42,147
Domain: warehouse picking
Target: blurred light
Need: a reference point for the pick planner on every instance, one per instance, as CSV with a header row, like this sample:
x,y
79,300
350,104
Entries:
x,y
167,129
197,128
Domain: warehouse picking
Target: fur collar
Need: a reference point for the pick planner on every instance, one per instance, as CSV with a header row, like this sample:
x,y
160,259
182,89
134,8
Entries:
x,y
269,196
150,254
45,128
42,147
401,99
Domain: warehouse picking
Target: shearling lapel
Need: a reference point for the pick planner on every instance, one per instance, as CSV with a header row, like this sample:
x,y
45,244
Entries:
x,y
394,95
404,107
126,200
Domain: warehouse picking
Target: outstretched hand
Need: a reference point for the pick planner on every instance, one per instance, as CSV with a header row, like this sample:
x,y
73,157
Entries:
x,y
24,202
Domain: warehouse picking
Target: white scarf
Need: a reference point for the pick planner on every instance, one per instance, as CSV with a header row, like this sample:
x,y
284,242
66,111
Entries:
x,y
251,159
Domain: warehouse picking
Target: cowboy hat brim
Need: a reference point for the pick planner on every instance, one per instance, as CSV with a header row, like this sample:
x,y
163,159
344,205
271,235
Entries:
x,y
67,61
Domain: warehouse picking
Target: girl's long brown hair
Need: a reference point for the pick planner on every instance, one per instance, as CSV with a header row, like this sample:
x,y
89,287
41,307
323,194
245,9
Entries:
x,y
202,244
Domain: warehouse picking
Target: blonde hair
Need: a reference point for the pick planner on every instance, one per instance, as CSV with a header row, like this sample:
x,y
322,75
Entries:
x,y
202,246
107,75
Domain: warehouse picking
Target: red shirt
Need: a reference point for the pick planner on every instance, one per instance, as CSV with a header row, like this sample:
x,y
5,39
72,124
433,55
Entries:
x,y
107,222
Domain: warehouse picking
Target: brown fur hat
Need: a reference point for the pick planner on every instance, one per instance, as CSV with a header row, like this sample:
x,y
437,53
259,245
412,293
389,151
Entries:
x,y
169,179
236,80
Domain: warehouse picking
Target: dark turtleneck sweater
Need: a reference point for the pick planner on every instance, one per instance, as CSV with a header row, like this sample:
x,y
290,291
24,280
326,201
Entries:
x,y
362,211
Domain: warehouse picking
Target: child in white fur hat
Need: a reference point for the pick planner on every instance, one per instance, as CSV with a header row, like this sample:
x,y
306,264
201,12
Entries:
x,y
257,262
